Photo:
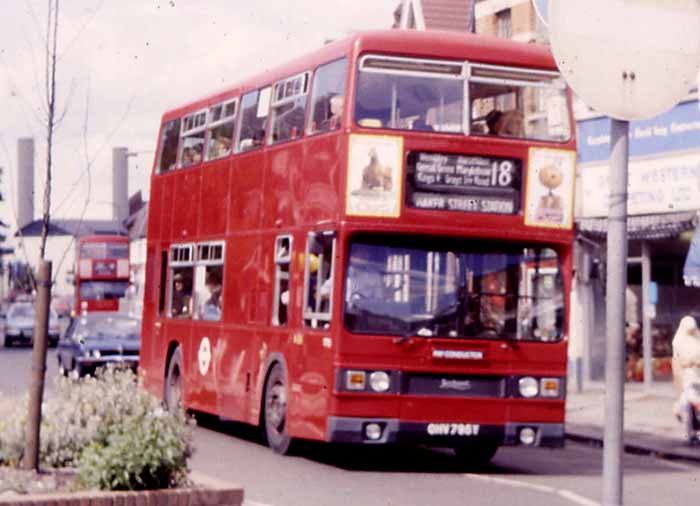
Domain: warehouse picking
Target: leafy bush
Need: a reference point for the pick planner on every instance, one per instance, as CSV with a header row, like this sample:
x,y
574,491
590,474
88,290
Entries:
x,y
116,434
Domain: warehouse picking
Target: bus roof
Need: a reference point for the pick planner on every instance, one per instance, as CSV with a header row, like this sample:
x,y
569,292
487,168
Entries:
x,y
430,44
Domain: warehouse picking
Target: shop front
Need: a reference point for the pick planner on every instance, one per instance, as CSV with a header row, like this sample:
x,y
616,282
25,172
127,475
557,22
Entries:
x,y
663,204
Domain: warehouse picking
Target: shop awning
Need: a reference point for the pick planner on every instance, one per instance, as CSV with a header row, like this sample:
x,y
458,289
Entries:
x,y
650,226
691,268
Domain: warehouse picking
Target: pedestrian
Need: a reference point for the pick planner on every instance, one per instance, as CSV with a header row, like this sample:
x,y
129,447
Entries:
x,y
686,376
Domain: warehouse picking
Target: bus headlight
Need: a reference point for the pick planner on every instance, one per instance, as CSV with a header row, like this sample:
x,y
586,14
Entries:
x,y
549,387
355,380
379,381
528,387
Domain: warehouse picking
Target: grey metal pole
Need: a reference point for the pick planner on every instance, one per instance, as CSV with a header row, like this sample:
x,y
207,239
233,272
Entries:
x,y
646,317
615,306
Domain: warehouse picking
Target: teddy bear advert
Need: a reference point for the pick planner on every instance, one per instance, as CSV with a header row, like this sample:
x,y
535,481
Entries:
x,y
550,188
549,207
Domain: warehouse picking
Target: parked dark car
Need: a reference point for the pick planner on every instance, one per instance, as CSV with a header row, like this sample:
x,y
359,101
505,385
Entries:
x,y
19,324
99,338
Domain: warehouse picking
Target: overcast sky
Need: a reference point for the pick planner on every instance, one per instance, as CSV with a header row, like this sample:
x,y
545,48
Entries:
x,y
124,62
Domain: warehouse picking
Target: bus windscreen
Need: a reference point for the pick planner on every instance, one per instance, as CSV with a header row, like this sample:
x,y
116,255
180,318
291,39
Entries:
x,y
468,290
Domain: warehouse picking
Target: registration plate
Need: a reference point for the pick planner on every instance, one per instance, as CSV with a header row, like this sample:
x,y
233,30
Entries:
x,y
453,429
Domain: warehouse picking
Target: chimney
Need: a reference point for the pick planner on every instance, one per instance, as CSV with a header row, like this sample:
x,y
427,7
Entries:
x,y
120,184
25,182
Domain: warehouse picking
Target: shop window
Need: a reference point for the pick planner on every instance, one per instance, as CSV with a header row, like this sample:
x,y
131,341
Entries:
x,y
181,279
289,108
254,110
283,258
167,155
222,119
318,279
328,97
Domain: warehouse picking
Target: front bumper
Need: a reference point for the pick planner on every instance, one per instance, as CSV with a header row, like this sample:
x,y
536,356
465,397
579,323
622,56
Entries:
x,y
109,359
27,336
352,430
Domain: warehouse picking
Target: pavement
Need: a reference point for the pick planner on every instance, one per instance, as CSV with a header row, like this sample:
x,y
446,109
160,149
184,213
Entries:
x,y
649,424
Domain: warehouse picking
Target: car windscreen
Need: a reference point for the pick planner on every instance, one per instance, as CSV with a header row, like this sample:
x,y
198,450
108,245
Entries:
x,y
101,326
468,289
21,311
103,290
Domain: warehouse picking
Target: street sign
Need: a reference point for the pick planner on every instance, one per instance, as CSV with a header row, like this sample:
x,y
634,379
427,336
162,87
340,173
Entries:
x,y
628,59
542,10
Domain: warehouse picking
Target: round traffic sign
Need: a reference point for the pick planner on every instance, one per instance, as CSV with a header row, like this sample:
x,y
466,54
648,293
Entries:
x,y
628,59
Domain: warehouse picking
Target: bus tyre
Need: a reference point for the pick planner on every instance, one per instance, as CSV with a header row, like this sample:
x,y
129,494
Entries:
x,y
275,412
476,456
173,382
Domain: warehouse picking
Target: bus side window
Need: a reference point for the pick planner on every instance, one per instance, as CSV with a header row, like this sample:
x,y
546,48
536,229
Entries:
x,y
167,155
318,279
193,132
209,281
222,118
289,108
283,257
181,281
255,106
328,97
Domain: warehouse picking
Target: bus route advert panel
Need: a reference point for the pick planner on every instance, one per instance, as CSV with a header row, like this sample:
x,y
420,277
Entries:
x,y
469,183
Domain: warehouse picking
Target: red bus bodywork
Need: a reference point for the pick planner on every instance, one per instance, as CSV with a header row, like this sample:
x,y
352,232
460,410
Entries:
x,y
248,199
102,272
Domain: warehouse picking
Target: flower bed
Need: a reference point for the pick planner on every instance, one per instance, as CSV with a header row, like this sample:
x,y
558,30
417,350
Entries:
x,y
116,435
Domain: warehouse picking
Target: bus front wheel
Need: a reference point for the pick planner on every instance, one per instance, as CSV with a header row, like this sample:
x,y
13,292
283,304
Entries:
x,y
173,382
275,412
476,455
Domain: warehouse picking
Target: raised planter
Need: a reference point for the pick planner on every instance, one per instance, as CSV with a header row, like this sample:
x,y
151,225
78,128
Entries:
x,y
205,492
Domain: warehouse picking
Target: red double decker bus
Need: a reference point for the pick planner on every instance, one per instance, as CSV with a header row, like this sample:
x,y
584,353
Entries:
x,y
371,244
102,273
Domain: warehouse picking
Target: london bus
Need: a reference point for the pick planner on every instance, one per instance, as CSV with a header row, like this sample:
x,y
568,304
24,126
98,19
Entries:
x,y
102,273
371,244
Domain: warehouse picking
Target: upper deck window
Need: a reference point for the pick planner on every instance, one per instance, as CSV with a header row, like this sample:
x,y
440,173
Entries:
x,y
255,107
222,119
328,96
408,94
461,97
289,108
518,103
193,132
167,154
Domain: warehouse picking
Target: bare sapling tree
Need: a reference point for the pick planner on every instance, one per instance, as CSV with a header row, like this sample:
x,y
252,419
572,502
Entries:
x,y
43,278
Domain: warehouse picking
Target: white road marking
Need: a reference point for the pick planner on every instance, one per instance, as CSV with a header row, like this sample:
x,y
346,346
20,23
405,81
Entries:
x,y
566,494
254,503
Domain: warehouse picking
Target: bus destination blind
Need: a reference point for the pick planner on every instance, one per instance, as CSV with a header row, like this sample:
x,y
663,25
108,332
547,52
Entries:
x,y
476,184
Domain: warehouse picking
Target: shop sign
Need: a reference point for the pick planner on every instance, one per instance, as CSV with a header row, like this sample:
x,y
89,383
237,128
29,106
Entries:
x,y
664,185
675,130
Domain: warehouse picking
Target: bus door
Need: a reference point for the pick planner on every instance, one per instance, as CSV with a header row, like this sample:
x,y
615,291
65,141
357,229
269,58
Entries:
x,y
311,357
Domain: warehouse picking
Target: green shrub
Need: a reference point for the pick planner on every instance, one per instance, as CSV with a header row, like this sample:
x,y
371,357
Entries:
x,y
116,434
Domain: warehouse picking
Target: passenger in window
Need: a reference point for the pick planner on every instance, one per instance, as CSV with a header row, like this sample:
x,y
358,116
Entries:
x,y
508,123
336,105
181,298
211,309
221,147
187,157
196,153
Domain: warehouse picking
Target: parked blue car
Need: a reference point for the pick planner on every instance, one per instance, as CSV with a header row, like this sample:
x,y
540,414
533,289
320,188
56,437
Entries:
x,y
19,324
99,338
